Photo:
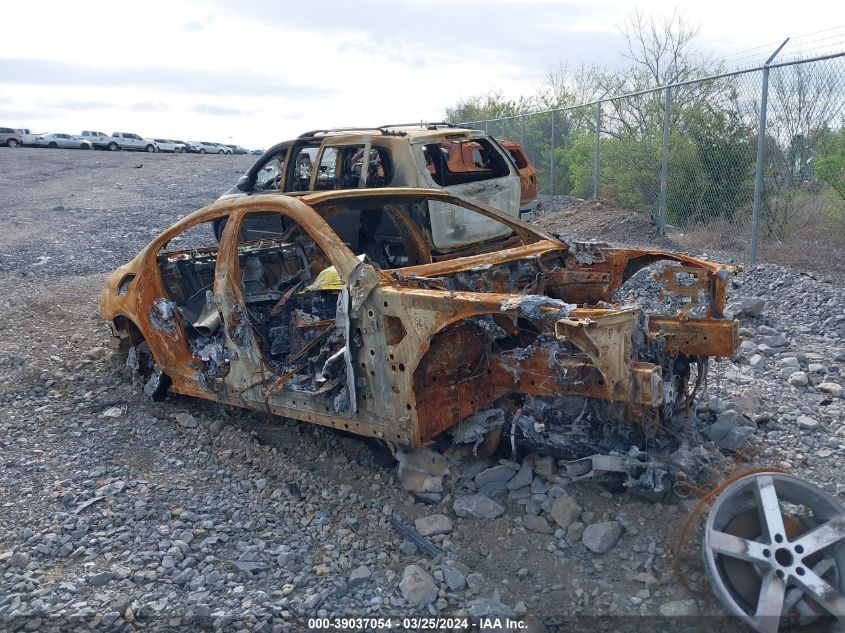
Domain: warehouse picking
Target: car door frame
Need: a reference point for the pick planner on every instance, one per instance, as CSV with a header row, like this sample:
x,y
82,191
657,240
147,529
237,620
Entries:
x,y
509,184
244,374
365,142
252,172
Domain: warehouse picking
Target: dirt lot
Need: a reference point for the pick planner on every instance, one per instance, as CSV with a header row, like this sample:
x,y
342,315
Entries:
x,y
116,514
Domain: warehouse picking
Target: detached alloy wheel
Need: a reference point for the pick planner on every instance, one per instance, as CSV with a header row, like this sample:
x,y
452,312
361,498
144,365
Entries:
x,y
774,546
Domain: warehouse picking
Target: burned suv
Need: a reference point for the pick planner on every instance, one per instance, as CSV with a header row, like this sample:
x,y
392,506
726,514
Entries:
x,y
466,163
310,308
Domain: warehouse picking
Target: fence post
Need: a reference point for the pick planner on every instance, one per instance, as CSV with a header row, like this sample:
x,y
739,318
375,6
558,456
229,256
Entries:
x,y
761,149
664,161
597,152
522,132
552,159
485,126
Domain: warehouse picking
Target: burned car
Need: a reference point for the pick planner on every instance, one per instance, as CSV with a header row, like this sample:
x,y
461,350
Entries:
x,y
467,163
411,315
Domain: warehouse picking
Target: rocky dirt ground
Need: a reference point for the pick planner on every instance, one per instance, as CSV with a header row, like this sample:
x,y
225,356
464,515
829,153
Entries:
x,y
119,513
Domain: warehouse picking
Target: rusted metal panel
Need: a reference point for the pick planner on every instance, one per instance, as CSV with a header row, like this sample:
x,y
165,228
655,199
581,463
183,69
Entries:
x,y
699,337
527,172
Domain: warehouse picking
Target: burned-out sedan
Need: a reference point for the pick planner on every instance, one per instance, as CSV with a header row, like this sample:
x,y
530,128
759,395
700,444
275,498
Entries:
x,y
404,314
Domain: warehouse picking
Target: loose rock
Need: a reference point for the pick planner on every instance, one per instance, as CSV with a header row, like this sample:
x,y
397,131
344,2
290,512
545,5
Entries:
x,y
806,422
565,510
433,524
359,576
834,389
186,421
601,537
417,586
798,379
753,306
679,608
477,507
537,524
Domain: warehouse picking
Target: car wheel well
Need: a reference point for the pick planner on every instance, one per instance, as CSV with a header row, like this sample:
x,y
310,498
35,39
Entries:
x,y
129,334
146,373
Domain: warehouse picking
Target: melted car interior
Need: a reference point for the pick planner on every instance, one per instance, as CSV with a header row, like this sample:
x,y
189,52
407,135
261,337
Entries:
x,y
291,289
187,264
461,161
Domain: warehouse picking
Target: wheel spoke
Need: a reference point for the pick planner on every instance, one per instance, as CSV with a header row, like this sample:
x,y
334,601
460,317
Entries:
x,y
737,547
822,592
770,604
769,508
822,536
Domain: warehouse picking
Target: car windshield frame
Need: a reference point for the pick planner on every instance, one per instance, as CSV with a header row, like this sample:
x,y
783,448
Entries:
x,y
326,205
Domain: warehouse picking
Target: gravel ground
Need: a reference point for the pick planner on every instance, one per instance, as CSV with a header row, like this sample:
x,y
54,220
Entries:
x,y
119,513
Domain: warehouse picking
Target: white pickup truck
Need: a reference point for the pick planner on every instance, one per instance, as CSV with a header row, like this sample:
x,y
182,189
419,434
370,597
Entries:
x,y
119,140
28,136
101,140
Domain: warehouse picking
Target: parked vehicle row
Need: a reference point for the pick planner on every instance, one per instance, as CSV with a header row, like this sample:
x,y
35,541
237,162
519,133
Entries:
x,y
127,141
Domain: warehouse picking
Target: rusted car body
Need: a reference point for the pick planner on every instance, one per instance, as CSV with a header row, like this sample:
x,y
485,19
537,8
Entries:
x,y
405,341
466,158
529,186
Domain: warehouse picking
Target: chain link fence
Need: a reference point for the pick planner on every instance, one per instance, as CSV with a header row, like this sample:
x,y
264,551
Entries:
x,y
687,154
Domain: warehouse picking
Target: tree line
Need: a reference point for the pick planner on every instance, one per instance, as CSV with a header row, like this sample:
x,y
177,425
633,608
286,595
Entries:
x,y
713,132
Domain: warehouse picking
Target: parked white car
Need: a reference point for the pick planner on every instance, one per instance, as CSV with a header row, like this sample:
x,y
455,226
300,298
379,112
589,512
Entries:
x,y
67,141
205,147
133,142
167,145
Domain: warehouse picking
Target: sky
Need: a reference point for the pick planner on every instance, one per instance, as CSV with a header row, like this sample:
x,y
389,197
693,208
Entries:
x,y
256,72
